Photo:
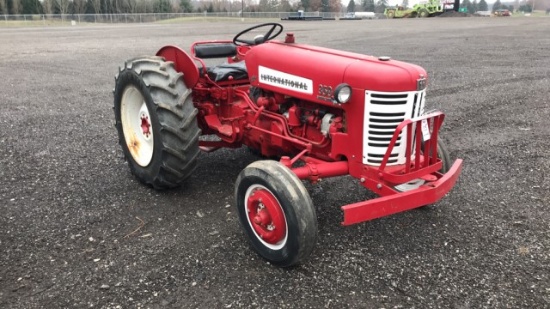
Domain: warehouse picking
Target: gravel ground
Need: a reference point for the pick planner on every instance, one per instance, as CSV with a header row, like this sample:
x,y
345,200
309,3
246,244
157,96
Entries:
x,y
77,230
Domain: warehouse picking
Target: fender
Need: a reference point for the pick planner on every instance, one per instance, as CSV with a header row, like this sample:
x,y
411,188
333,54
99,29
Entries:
x,y
182,62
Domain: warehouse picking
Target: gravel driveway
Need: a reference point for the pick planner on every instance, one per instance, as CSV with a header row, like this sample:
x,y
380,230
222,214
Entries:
x,y
77,230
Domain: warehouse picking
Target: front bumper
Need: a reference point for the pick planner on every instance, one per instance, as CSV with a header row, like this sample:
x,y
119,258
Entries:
x,y
426,194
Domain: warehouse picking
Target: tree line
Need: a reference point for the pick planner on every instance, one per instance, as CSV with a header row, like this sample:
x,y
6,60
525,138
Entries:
x,y
17,7
368,6
474,6
471,5
93,6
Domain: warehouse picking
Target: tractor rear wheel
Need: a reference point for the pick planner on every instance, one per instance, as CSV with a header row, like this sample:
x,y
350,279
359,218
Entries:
x,y
423,13
276,213
391,14
156,122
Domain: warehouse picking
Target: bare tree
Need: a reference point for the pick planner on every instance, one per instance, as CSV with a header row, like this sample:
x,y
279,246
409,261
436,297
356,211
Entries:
x,y
15,7
141,7
79,6
314,5
47,6
115,6
63,6
4,6
285,6
335,6
96,5
131,6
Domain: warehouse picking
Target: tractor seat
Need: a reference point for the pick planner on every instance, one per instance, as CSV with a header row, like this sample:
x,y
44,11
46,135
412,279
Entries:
x,y
222,72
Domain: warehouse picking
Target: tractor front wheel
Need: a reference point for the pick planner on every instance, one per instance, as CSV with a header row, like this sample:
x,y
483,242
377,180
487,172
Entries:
x,y
156,122
276,213
423,13
443,155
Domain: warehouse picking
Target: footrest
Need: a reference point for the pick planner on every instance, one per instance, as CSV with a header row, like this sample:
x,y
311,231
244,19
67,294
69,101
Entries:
x,y
214,123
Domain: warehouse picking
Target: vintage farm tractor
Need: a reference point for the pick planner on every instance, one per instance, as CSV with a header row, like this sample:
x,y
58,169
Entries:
x,y
323,112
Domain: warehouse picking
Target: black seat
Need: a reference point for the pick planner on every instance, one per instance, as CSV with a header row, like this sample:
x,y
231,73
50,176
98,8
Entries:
x,y
222,72
215,50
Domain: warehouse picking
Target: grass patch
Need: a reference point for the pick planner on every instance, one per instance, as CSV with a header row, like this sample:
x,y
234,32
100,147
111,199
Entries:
x,y
213,20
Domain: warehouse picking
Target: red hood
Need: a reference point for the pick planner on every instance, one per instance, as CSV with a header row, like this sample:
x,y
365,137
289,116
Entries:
x,y
328,67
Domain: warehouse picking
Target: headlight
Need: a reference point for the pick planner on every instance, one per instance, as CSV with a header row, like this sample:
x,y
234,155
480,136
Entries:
x,y
342,93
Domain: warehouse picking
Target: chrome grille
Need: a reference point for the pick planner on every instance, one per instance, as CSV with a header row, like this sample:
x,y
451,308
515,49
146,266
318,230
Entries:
x,y
384,111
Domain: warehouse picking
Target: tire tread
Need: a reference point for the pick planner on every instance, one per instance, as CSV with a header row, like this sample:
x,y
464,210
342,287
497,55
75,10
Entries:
x,y
176,116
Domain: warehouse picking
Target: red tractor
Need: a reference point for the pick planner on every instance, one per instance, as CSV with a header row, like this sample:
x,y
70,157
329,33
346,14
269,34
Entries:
x,y
323,112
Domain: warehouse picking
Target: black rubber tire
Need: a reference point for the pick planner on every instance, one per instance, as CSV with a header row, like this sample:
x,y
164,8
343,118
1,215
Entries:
x,y
173,121
423,13
391,15
296,204
443,154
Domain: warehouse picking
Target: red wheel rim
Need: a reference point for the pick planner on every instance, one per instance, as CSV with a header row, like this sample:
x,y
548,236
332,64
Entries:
x,y
266,217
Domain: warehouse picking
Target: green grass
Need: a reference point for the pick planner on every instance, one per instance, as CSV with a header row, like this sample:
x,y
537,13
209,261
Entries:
x,y
536,13
37,22
212,20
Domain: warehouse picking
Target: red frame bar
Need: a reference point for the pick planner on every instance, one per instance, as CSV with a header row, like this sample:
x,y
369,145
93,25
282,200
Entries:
x,y
421,166
314,172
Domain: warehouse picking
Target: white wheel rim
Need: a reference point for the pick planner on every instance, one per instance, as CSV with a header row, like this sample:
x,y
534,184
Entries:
x,y
411,185
279,245
137,126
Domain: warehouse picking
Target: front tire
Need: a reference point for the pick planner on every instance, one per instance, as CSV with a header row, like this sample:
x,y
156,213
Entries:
x,y
276,213
443,155
156,122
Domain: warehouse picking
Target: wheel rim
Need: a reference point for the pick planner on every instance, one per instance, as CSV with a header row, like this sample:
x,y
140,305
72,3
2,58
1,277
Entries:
x,y
137,126
411,185
266,217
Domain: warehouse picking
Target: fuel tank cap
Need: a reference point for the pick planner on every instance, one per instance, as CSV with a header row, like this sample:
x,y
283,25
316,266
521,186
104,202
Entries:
x,y
384,58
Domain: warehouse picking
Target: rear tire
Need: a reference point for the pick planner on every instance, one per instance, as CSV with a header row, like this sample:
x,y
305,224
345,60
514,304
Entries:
x,y
276,213
423,13
156,122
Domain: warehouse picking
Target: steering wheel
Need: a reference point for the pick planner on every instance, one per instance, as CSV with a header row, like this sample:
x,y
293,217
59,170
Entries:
x,y
273,32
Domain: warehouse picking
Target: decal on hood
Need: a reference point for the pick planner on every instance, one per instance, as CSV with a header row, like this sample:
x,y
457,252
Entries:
x,y
286,81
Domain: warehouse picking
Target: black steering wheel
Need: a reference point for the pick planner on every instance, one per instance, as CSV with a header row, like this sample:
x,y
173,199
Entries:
x,y
272,33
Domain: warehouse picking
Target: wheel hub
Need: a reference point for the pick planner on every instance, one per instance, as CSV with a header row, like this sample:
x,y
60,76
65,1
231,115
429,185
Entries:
x,y
266,216
145,126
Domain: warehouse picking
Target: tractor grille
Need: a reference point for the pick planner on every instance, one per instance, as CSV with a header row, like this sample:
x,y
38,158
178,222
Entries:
x,y
383,113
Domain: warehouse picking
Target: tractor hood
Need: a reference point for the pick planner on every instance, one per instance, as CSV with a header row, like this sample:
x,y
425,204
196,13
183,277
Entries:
x,y
312,73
